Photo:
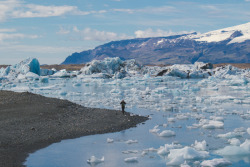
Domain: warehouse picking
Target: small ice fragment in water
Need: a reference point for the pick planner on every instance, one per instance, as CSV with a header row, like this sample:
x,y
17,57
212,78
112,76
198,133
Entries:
x,y
131,159
94,160
234,141
248,131
167,133
130,152
154,130
184,164
231,135
131,141
171,119
216,162
110,140
200,146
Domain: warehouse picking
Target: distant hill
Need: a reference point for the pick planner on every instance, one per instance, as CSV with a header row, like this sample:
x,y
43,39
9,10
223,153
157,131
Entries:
x,y
228,45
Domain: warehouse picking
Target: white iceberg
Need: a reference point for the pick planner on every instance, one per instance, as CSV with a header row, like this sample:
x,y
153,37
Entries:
x,y
113,67
178,156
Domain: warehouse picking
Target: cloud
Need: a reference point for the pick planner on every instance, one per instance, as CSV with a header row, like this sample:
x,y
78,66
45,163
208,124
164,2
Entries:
x,y
247,0
158,33
8,30
32,10
62,31
21,9
151,10
14,36
89,34
6,7
11,34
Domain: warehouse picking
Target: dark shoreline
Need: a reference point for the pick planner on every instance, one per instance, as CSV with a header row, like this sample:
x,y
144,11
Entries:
x,y
29,122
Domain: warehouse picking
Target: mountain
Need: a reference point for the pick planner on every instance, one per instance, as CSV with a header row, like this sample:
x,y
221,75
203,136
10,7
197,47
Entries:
x,y
228,45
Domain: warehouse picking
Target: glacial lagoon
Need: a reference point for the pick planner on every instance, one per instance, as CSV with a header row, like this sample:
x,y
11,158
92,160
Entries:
x,y
186,107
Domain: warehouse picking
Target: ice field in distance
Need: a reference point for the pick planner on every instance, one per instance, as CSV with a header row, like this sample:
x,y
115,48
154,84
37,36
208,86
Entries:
x,y
200,116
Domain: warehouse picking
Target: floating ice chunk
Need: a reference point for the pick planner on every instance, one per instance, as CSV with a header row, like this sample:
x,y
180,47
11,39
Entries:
x,y
93,160
163,150
171,119
234,141
231,135
243,149
131,141
181,116
21,77
241,129
31,76
110,140
46,72
218,162
200,146
131,159
146,151
44,79
213,125
62,93
77,84
130,152
184,164
154,130
217,118
166,133
248,131
176,161
61,74
164,125
187,153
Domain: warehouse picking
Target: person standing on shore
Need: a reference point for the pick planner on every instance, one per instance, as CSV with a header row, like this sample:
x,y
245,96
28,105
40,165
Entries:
x,y
123,103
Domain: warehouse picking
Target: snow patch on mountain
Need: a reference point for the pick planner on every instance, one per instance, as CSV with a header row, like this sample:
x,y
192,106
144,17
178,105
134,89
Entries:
x,y
237,34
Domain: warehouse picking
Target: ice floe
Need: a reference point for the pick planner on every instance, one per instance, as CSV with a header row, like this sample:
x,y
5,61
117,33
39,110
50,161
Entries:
x,y
131,159
178,156
93,160
217,162
243,149
166,133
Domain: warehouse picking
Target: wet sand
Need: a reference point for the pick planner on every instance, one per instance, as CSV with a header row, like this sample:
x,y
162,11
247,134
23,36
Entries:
x,y
29,122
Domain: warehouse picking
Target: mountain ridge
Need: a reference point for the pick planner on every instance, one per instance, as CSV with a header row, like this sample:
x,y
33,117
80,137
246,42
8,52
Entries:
x,y
228,45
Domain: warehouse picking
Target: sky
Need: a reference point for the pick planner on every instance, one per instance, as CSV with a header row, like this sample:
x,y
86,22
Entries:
x,y
51,30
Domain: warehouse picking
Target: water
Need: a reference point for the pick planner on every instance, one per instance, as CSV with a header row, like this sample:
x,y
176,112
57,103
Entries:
x,y
161,98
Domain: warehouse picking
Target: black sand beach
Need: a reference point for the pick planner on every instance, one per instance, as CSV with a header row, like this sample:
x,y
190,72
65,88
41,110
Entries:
x,y
29,122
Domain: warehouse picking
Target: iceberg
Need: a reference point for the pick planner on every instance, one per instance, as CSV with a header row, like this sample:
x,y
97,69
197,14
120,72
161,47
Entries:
x,y
30,65
178,156
113,67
